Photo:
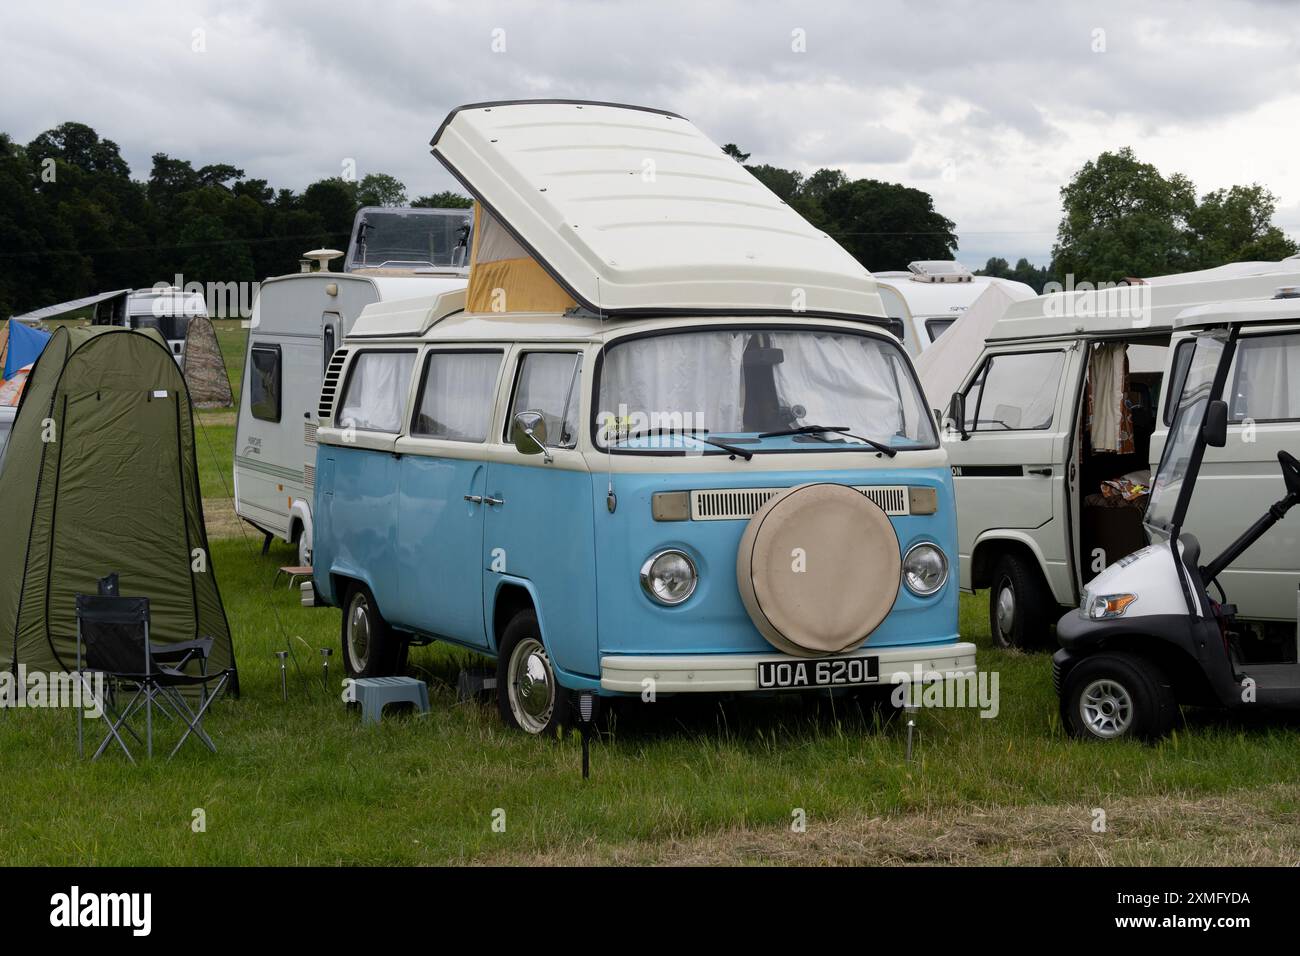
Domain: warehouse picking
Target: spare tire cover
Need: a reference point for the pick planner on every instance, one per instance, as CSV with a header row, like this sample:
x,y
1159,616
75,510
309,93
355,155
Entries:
x,y
818,569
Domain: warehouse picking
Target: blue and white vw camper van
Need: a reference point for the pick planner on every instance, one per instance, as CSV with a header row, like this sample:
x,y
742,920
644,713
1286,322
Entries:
x,y
663,443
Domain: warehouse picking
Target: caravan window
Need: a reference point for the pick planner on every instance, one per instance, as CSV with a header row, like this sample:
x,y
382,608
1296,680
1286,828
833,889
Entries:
x,y
375,395
1266,384
456,395
264,386
548,383
1177,376
1015,392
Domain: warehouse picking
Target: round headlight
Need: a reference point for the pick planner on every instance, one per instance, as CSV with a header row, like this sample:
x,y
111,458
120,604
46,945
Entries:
x,y
925,569
669,577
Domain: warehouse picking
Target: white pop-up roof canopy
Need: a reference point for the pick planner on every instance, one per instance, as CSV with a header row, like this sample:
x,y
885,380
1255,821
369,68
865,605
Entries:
x,y
633,211
944,364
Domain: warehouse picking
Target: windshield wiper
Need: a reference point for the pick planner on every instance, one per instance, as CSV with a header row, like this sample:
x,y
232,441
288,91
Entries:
x,y
699,434
823,429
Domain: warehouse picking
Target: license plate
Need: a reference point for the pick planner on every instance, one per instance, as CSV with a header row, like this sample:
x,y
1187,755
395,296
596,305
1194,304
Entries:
x,y
818,672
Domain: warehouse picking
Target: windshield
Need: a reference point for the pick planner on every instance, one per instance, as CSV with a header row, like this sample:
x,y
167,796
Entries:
x,y
171,327
411,240
657,391
1184,432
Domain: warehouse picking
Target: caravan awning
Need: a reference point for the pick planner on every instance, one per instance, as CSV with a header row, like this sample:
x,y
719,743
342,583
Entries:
x,y
66,308
635,211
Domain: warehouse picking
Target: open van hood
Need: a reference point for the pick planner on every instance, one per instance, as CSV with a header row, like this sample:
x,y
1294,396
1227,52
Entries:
x,y
635,211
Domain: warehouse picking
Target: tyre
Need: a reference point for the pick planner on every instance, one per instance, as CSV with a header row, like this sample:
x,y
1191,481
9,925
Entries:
x,y
370,649
304,549
1020,605
528,695
1114,696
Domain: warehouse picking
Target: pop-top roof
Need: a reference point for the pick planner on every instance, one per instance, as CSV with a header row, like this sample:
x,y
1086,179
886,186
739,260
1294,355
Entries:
x,y
1145,306
1263,311
635,211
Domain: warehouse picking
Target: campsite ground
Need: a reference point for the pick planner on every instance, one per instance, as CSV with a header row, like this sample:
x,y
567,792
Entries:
x,y
681,781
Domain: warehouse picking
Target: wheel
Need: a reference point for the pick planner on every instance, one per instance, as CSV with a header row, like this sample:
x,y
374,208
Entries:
x,y
304,549
370,649
528,695
1020,606
1117,695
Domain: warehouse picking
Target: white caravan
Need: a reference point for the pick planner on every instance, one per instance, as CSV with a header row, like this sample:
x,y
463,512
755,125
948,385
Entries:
x,y
931,295
167,309
297,323
1052,437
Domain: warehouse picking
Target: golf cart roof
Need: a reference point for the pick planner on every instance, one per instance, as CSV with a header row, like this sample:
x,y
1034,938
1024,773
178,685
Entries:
x,y
634,211
1146,306
1262,311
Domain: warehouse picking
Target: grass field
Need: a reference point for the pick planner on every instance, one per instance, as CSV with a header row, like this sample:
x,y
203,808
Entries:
x,y
684,780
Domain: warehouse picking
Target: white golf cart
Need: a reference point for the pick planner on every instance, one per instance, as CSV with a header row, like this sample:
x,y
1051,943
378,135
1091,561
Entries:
x,y
1150,634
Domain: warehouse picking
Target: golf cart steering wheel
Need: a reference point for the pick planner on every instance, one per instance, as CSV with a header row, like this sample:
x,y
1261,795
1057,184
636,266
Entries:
x,y
1290,473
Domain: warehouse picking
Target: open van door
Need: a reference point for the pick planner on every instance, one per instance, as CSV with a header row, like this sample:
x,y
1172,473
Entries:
x,y
1018,413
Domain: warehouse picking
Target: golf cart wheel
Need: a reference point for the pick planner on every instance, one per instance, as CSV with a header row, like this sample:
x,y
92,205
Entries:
x,y
528,695
1114,696
370,649
1019,605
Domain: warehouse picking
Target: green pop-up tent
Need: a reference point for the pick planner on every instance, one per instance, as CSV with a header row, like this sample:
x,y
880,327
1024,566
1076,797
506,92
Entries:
x,y
99,477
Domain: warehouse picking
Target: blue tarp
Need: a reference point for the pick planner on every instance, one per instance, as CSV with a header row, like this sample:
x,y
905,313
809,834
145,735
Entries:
x,y
25,347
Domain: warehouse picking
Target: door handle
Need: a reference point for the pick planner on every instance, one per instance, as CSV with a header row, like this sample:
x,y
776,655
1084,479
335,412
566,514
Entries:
x,y
489,500
474,499
1045,472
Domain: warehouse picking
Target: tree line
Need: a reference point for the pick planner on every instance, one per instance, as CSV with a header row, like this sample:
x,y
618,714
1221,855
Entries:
x,y
73,220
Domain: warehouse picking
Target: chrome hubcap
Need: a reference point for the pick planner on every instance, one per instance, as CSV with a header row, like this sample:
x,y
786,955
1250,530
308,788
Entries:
x,y
532,686
359,633
1106,708
1006,609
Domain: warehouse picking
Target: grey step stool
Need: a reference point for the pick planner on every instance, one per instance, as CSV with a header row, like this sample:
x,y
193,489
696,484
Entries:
x,y
374,693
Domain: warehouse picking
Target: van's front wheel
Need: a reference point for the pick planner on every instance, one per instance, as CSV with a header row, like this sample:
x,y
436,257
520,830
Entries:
x,y
528,695
1019,604
370,649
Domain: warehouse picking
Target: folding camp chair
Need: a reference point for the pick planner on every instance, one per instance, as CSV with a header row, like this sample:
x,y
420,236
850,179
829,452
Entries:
x,y
115,634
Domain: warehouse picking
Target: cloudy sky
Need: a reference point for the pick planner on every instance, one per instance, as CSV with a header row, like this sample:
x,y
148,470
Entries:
x,y
988,106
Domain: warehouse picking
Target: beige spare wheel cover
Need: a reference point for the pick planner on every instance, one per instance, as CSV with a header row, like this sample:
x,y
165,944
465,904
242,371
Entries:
x,y
818,569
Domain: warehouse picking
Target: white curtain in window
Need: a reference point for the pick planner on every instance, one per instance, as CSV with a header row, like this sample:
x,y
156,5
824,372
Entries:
x,y
1268,380
841,380
376,394
696,374
456,403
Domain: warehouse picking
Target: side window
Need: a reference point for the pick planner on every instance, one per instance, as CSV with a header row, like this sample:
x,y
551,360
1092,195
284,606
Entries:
x,y
936,327
456,396
1177,376
548,383
327,343
1015,392
264,389
375,395
1266,384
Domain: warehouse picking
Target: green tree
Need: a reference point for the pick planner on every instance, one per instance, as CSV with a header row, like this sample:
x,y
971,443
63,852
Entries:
x,y
732,150
380,189
887,225
1236,225
443,200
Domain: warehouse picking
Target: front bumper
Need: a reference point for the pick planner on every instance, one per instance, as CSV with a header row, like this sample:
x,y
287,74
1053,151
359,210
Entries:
x,y
735,673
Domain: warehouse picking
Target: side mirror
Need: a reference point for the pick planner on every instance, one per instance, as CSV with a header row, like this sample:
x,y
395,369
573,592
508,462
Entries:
x,y
957,414
895,326
1215,426
528,433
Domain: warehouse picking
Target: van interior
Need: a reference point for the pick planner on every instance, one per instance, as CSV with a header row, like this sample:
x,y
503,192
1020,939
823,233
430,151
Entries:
x,y
1117,419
